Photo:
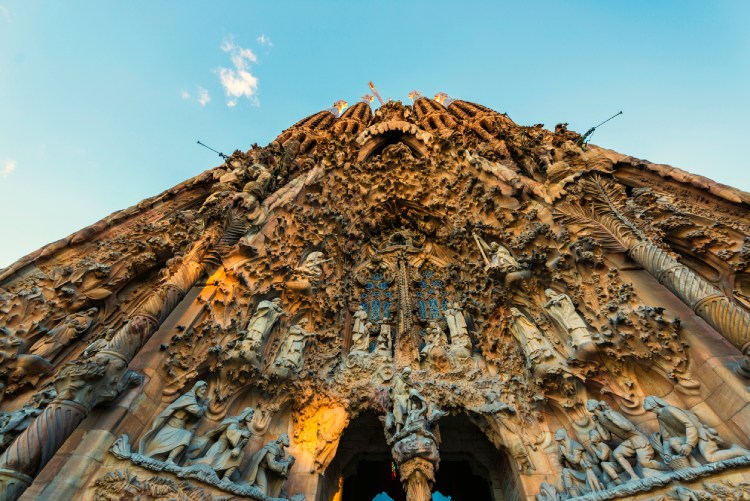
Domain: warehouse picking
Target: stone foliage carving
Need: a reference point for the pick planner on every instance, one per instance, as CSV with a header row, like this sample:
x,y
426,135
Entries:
x,y
391,262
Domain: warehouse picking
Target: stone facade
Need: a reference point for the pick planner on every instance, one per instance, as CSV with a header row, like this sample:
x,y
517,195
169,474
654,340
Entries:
x,y
418,299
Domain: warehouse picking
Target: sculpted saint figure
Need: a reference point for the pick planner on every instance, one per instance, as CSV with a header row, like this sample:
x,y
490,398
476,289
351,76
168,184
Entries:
x,y
292,351
563,311
501,260
682,432
360,331
400,397
385,341
541,357
461,346
174,428
265,317
578,472
310,268
269,467
435,349
611,423
222,446
61,335
602,455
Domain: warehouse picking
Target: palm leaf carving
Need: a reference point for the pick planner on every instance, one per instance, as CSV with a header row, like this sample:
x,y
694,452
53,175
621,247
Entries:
x,y
600,218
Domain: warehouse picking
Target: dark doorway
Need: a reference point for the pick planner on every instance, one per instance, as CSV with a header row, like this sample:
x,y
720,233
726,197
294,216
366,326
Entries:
x,y
456,479
372,478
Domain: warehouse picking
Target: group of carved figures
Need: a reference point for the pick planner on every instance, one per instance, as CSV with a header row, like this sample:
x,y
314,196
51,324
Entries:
x,y
172,439
437,350
541,356
618,452
247,347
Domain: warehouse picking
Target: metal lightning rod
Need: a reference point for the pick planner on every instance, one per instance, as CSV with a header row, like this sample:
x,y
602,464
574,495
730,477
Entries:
x,y
222,155
584,140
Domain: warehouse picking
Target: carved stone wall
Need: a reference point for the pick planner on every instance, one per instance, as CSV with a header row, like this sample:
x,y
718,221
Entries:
x,y
580,317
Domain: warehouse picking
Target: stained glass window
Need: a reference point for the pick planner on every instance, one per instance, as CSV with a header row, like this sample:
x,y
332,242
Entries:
x,y
431,296
377,297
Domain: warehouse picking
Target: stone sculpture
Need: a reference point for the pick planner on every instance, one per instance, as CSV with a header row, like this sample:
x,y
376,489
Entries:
x,y
613,425
269,467
310,267
63,334
266,315
563,311
436,347
578,472
360,332
174,428
384,346
541,357
221,448
682,434
292,350
602,453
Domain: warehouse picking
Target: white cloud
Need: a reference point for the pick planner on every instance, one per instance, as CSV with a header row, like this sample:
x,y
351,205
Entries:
x,y
184,95
238,82
8,167
264,41
4,14
203,97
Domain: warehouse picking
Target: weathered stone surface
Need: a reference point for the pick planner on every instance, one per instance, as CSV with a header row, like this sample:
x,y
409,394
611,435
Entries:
x,y
431,292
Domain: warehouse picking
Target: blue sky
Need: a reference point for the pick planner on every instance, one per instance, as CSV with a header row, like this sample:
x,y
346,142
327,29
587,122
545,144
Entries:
x,y
101,102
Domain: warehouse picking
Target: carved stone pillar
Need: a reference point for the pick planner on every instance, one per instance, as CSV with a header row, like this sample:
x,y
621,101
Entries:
x,y
94,378
37,444
417,475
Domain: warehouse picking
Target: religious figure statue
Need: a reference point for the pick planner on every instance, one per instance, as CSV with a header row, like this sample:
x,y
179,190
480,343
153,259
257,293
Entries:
x,y
400,398
269,467
174,428
611,423
310,267
502,260
563,311
682,433
221,447
360,331
435,349
266,315
62,334
328,434
602,453
578,473
291,352
384,345
461,346
541,357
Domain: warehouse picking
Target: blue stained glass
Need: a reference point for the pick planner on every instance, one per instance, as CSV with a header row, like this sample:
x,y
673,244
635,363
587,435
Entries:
x,y
387,309
434,308
375,293
445,304
369,285
428,274
431,292
377,276
363,296
383,285
422,283
438,283
422,310
364,305
418,293
388,294
375,310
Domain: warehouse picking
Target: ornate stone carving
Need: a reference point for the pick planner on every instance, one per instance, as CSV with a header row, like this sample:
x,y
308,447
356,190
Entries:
x,y
269,467
221,448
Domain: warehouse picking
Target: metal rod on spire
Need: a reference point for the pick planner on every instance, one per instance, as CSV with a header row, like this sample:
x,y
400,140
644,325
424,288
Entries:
x,y
222,155
584,140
